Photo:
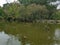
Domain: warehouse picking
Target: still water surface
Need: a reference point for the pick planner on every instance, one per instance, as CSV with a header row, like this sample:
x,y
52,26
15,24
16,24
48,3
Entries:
x,y
6,39
57,37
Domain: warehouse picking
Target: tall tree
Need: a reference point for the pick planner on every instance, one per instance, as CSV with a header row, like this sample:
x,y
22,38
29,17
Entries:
x,y
35,1
2,14
56,15
12,9
38,11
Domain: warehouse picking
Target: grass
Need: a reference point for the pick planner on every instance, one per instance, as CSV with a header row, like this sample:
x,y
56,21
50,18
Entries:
x,y
36,33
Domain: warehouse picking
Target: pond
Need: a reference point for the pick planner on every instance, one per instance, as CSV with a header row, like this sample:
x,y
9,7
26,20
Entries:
x,y
35,34
57,37
6,39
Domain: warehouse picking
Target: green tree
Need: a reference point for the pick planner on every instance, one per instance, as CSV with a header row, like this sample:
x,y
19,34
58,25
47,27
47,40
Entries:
x,y
56,15
2,14
51,9
37,11
35,1
12,9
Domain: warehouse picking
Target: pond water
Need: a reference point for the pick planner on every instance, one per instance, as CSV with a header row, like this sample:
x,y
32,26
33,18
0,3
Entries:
x,y
57,37
6,39
57,34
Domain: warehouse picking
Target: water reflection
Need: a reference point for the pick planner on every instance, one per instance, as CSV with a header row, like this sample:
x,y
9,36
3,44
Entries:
x,y
57,34
57,37
5,39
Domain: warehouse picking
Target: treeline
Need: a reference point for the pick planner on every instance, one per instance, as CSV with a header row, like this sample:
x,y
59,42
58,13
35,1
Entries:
x,y
29,11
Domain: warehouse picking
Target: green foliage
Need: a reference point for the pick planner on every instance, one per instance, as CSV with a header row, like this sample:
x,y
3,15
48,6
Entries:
x,y
56,15
12,10
38,11
43,2
2,14
29,10
32,11
51,9
33,1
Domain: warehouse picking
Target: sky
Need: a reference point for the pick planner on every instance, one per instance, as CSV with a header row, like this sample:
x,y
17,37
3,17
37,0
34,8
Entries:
x,y
4,2
56,3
